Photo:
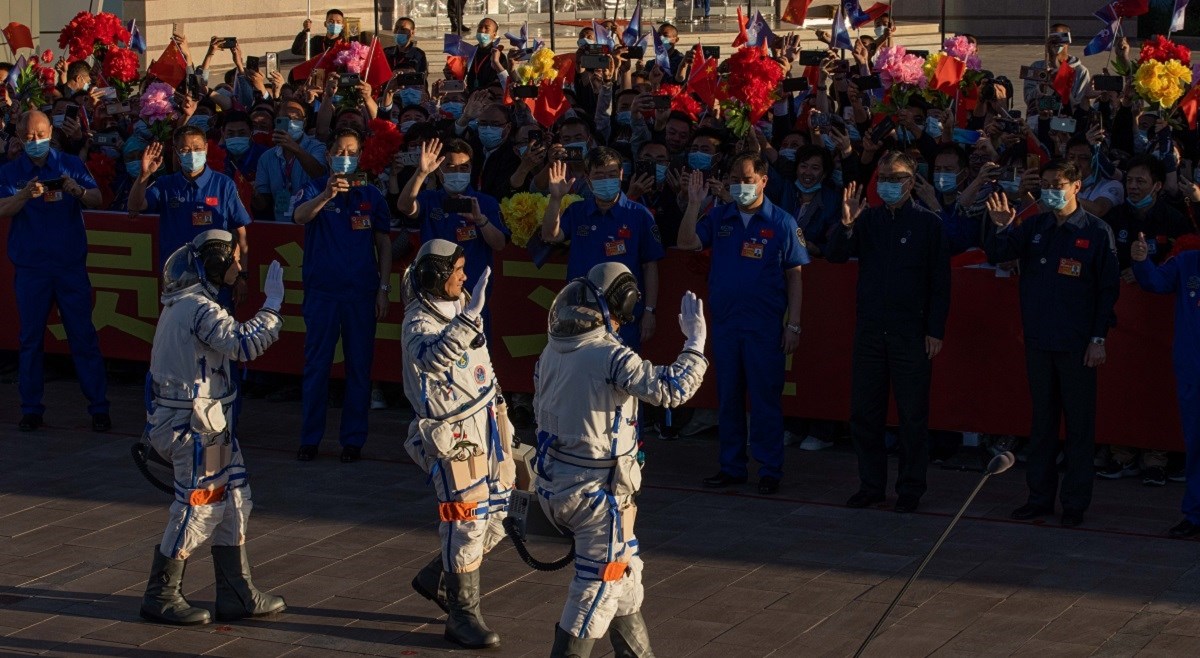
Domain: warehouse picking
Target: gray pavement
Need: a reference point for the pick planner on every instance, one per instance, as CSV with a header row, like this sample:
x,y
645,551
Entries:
x,y
727,574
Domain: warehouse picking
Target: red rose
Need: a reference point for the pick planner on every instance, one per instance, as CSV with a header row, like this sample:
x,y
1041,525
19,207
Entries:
x,y
48,56
121,65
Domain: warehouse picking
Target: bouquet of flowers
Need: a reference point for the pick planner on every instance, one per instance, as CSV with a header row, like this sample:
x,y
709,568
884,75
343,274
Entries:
x,y
121,71
523,211
902,74
750,89
351,60
540,68
680,101
1163,72
963,50
91,34
35,82
157,112
380,146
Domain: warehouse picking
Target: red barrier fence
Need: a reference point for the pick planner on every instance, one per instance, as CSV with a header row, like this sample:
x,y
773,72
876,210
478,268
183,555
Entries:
x,y
978,383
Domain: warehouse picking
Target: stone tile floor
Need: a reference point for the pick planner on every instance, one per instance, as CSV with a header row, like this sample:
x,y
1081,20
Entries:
x,y
727,574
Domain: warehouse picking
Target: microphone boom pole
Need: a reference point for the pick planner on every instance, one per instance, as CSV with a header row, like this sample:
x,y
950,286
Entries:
x,y
999,464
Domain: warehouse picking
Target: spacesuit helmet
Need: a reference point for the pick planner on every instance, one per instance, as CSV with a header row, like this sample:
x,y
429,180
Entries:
x,y
204,260
432,268
608,291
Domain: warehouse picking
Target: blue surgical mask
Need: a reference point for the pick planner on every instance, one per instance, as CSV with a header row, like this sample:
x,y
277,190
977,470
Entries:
x,y
945,182
491,136
1054,199
37,148
296,129
903,135
483,38
744,194
237,145
200,121
58,120
625,118
1010,187
767,130
344,164
406,125
133,168
193,161
456,182
402,40
891,193
701,161
660,172
880,30
522,150
1144,203
853,133
334,28
811,189
584,43
788,154
836,177
606,189
410,97
933,127
473,124
582,146
86,86
453,109
828,143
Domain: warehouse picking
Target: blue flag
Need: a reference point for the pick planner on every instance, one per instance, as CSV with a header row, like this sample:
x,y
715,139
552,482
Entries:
x,y
1103,41
243,91
632,36
758,32
453,44
841,29
661,56
136,40
15,74
1178,15
854,13
603,36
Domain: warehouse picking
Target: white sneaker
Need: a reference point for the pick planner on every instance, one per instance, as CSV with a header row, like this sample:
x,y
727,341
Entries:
x,y
790,438
814,444
377,399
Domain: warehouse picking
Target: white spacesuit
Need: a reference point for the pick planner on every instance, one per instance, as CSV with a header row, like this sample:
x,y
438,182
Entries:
x,y
461,435
587,387
189,421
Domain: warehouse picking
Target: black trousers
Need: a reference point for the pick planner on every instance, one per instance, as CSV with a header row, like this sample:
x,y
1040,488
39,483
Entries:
x,y
882,361
1061,388
454,8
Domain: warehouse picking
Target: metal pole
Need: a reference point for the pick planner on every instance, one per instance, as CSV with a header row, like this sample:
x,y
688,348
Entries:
x,y
552,25
375,10
943,21
308,37
778,12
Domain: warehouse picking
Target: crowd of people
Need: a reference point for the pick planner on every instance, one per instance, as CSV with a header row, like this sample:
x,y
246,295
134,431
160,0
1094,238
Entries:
x,y
1082,184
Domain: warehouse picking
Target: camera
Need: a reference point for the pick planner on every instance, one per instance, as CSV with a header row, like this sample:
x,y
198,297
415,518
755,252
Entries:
x,y
594,62
460,205
524,91
413,80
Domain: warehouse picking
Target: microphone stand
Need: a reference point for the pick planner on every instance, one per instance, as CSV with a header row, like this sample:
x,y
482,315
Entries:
x,y
999,464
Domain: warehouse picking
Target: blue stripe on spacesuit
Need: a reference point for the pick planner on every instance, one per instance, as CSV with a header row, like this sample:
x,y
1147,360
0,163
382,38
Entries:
x,y
449,535
197,458
587,619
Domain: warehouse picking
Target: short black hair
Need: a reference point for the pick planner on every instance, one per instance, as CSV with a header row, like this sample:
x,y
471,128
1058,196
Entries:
x,y
813,151
899,158
711,133
1064,168
418,108
183,132
1078,140
602,157
234,116
1152,165
412,25
755,160
676,115
334,12
959,153
653,142
458,146
78,68
420,133
576,121
347,132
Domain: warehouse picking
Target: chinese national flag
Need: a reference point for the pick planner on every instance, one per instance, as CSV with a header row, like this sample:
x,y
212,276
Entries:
x,y
550,104
378,72
1190,106
566,68
813,75
304,70
1064,82
796,11
948,75
1130,8
18,36
171,68
703,80
742,37
456,66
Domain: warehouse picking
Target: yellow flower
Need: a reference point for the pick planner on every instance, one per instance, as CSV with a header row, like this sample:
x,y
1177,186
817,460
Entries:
x,y
1162,83
931,64
522,213
525,73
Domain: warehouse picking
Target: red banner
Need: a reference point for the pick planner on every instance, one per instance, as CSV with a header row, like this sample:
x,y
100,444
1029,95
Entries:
x,y
978,382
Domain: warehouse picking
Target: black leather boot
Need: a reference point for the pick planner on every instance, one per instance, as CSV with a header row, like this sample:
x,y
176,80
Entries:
x,y
569,646
237,598
163,601
430,583
464,625
629,637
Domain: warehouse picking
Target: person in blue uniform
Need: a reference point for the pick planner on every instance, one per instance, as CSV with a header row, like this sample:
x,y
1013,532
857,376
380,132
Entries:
x,y
754,284
476,227
608,227
347,263
191,201
903,301
285,169
1180,275
1069,286
43,192
242,155
810,196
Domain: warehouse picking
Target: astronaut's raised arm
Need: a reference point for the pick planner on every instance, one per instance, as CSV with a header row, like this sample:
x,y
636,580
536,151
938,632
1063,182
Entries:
x,y
435,349
240,341
664,386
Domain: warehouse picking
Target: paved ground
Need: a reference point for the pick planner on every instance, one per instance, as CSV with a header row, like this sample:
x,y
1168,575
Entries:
x,y
728,574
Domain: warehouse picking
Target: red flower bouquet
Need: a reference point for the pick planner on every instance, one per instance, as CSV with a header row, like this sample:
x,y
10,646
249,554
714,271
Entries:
x,y
749,90
91,34
35,85
121,70
1161,49
380,147
680,101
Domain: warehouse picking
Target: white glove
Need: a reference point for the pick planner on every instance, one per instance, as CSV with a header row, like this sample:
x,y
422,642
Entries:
x,y
273,286
691,322
478,295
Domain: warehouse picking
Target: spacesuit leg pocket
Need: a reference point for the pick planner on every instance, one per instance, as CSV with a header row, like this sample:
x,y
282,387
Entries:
x,y
627,479
210,426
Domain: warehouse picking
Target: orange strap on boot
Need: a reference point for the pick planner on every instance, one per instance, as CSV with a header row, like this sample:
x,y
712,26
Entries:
x,y
207,496
614,571
457,511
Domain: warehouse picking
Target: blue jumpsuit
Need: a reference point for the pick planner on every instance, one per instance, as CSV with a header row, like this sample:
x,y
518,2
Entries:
x,y
341,281
1181,275
437,223
188,207
747,289
625,233
47,245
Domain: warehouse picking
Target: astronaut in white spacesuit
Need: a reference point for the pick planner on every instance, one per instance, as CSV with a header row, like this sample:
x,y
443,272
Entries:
x,y
189,421
587,387
461,435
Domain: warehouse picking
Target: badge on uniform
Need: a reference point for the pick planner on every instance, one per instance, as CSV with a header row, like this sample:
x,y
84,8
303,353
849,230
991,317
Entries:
x,y
1070,267
360,222
800,237
211,201
201,218
1082,243
614,248
752,249
465,233
582,230
365,206
50,196
766,233
725,231
624,233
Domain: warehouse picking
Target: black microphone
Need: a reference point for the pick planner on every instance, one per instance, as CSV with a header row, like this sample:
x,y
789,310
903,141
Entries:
x,y
1000,463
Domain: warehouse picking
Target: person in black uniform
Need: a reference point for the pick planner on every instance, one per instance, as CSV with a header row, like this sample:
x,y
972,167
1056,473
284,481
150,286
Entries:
x,y
903,300
489,59
405,54
1069,285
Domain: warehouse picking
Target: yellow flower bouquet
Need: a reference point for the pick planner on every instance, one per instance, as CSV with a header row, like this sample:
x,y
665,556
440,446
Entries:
x,y
523,211
1162,83
540,68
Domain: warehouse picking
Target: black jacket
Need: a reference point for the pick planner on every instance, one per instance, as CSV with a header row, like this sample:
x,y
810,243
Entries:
x,y
491,173
1162,224
413,56
903,269
480,74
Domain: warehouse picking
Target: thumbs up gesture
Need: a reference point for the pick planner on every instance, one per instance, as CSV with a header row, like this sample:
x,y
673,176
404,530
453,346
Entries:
x,y
1139,250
